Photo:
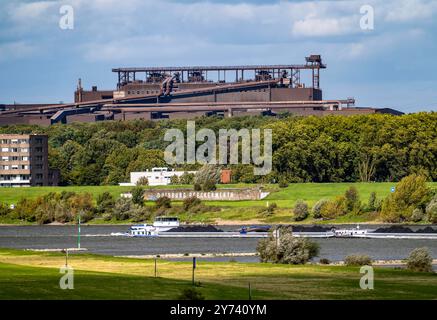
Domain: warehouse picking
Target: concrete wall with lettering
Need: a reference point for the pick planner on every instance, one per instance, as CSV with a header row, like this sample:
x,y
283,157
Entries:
x,y
219,194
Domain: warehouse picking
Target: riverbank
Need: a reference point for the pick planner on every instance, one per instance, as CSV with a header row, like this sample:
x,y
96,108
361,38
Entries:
x,y
102,277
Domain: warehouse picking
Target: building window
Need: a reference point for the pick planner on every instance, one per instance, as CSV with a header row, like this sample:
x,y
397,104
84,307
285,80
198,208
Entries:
x,y
38,149
39,140
39,176
38,158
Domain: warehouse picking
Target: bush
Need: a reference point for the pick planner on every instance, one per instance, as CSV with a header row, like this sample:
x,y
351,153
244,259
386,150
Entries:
x,y
174,179
291,250
373,203
352,200
411,193
420,260
209,185
318,207
139,214
431,210
283,183
417,215
358,260
191,294
163,202
197,187
300,210
269,210
138,196
191,202
186,178
324,261
122,209
105,202
333,209
143,181
4,209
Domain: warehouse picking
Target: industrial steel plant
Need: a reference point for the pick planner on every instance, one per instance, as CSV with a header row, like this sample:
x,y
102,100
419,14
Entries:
x,y
192,91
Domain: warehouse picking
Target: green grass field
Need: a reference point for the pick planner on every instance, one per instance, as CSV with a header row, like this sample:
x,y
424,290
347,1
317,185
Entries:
x,y
310,192
30,275
237,211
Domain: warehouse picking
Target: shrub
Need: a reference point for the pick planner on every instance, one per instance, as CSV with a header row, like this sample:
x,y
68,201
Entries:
x,y
163,202
372,204
411,193
197,187
333,209
352,200
420,260
269,210
186,178
138,196
288,250
139,214
300,210
105,202
417,215
209,185
358,260
431,210
318,207
324,261
4,209
122,209
191,202
143,181
283,183
191,294
174,179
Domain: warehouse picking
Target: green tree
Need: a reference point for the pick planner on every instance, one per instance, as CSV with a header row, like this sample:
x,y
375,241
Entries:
x,y
138,196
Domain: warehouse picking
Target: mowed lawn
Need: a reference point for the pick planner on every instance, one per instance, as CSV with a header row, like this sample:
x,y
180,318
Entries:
x,y
30,275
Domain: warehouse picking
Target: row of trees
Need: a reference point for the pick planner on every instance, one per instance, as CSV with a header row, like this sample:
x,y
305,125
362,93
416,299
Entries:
x,y
66,207
311,149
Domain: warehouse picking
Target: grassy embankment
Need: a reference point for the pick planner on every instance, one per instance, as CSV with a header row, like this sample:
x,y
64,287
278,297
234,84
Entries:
x,y
31,275
238,210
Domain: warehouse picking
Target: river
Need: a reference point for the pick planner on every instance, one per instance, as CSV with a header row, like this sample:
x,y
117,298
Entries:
x,y
98,239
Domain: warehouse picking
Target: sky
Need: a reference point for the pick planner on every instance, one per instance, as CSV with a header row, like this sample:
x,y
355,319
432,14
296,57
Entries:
x,y
391,65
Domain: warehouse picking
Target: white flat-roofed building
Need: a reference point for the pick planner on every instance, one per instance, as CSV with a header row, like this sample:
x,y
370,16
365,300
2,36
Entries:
x,y
156,176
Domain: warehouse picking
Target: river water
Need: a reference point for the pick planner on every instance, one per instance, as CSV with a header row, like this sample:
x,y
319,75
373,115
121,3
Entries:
x,y
98,239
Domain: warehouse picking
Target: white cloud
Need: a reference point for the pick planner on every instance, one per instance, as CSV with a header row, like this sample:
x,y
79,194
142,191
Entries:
x,y
410,10
25,12
16,50
316,27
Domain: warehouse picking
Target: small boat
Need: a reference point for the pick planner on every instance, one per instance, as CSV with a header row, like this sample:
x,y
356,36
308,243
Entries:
x,y
161,224
351,233
245,230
